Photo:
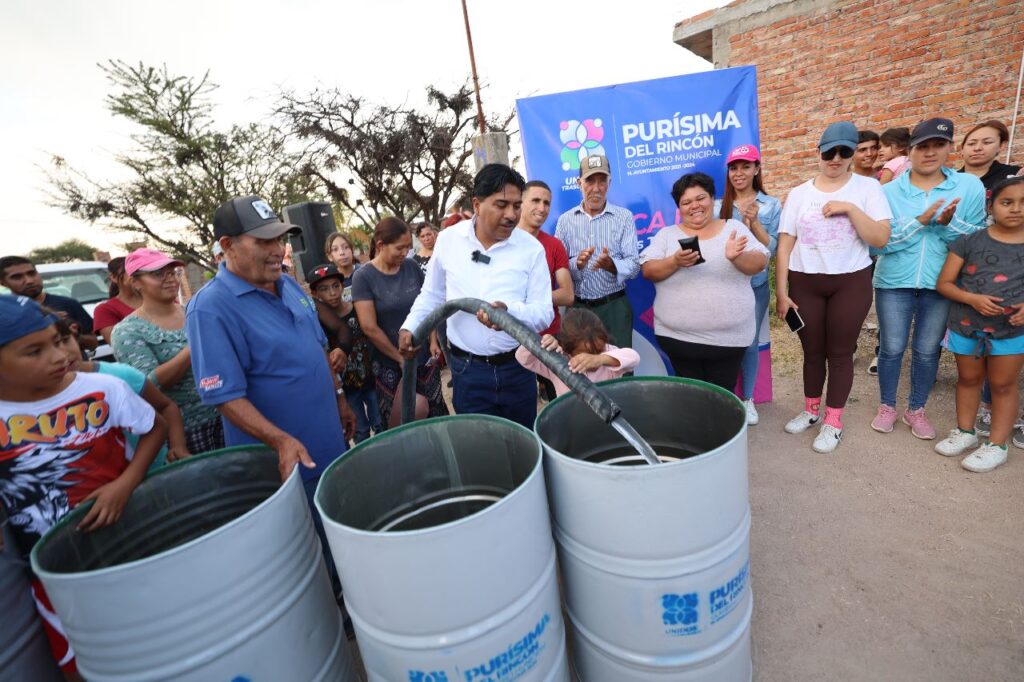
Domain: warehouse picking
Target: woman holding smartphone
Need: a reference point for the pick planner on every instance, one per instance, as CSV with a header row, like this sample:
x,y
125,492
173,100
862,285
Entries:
x,y
703,302
744,199
823,271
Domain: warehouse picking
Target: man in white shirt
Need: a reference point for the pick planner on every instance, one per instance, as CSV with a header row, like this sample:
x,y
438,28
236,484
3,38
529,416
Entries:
x,y
489,259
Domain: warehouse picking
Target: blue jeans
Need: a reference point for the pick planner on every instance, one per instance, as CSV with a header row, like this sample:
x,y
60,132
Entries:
x,y
897,309
309,485
508,390
752,356
363,402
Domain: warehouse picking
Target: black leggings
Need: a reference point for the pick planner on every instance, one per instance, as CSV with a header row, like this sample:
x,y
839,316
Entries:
x,y
833,308
714,364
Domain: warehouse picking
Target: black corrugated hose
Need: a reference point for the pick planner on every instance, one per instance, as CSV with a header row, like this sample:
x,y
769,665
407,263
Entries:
x,y
601,404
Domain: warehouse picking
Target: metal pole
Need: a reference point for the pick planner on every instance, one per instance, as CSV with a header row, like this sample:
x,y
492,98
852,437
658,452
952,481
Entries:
x,y
472,64
1016,105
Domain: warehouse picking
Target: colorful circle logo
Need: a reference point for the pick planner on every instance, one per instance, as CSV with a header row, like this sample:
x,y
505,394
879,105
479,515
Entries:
x,y
580,140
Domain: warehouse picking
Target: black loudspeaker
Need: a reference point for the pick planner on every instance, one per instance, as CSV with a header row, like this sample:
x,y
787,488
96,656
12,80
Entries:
x,y
317,222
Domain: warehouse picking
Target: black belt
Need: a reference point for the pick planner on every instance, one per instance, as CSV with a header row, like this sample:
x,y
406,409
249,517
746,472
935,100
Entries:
x,y
498,359
601,301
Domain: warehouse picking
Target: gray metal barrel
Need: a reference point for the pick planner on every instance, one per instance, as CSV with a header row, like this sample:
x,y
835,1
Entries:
x,y
214,572
440,533
655,559
24,653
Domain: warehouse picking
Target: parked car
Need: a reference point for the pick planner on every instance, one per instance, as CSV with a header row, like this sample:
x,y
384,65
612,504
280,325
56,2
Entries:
x,y
86,283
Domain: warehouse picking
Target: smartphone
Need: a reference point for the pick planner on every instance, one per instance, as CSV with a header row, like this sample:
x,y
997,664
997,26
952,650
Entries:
x,y
692,244
793,319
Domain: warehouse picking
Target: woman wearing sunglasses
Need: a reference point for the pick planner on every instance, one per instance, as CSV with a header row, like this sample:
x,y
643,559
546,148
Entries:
x,y
932,206
823,271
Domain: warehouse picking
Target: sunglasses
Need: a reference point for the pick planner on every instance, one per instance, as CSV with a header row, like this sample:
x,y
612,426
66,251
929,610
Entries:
x,y
844,153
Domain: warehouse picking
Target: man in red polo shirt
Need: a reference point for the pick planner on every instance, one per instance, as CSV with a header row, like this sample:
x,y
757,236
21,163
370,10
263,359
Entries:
x,y
536,207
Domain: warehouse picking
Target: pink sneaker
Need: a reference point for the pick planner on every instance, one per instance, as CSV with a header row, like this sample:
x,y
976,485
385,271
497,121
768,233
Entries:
x,y
885,419
918,424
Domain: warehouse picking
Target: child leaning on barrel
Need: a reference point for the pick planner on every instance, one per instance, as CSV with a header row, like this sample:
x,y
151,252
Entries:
x,y
62,441
584,339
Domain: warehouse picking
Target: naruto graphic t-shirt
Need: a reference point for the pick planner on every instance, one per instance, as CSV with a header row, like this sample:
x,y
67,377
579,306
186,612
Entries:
x,y
55,452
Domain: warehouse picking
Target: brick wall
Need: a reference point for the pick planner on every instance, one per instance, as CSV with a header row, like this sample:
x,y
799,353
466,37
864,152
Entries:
x,y
880,63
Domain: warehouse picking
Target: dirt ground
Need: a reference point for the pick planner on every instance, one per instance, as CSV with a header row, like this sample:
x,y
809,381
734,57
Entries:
x,y
882,561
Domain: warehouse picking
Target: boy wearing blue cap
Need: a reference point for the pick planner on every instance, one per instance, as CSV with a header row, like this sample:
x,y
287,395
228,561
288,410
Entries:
x,y
62,440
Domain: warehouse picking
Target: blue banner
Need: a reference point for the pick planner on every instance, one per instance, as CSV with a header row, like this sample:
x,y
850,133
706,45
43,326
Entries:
x,y
652,132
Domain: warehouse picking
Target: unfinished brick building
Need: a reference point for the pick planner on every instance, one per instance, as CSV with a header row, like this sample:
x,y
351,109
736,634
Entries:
x,y
878,63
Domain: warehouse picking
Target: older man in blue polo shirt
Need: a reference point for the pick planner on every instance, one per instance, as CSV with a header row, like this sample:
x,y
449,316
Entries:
x,y
258,352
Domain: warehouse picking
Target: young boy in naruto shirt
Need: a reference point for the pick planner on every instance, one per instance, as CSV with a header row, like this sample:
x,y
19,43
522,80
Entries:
x,y
62,441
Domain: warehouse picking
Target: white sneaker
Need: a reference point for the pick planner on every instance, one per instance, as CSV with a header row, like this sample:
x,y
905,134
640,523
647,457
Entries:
x,y
956,443
828,438
986,458
802,422
752,417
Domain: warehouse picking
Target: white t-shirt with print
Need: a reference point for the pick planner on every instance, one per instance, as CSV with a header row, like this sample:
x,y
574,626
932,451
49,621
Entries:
x,y
55,452
830,245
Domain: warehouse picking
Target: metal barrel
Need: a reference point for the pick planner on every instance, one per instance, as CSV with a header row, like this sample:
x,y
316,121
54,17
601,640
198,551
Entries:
x,y
24,653
441,535
214,572
654,558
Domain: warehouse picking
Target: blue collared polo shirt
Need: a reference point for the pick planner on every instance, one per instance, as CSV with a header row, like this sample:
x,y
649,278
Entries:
x,y
248,343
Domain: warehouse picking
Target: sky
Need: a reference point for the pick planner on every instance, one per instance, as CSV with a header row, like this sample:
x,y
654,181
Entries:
x,y
52,91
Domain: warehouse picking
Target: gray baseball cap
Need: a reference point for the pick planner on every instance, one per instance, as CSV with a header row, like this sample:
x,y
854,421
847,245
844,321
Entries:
x,y
252,216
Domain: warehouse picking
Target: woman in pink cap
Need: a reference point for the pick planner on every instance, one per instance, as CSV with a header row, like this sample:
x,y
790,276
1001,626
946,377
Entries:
x,y
152,340
744,199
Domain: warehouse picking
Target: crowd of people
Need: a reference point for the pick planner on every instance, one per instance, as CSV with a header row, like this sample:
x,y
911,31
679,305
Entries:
x,y
256,358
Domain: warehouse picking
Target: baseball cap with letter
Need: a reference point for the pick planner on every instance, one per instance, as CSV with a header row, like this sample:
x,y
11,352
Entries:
x,y
594,164
932,129
252,216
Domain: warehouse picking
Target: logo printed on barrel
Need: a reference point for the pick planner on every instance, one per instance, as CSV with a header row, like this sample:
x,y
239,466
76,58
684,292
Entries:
x,y
725,598
516,660
434,676
679,612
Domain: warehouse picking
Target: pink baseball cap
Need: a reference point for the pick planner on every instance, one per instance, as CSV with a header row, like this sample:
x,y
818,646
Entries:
x,y
745,152
148,260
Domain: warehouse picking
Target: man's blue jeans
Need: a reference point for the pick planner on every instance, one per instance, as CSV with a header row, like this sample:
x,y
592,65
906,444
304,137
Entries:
x,y
897,309
507,390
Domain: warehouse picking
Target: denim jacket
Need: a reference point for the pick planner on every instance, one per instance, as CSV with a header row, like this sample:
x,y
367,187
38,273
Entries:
x,y
769,211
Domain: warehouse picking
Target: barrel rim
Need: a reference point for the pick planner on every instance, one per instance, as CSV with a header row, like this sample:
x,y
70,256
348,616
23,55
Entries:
x,y
73,515
538,470
642,470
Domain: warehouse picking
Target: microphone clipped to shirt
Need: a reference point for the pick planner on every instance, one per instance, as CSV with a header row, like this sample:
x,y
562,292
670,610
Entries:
x,y
478,257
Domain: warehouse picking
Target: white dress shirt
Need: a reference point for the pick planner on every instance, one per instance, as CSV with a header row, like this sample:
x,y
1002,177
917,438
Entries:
x,y
517,275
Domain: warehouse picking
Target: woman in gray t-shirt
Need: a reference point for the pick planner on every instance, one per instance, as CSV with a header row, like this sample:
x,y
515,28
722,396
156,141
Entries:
x,y
703,309
383,292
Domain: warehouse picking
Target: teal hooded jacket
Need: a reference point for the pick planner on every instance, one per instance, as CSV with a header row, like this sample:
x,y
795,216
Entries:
x,y
915,253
